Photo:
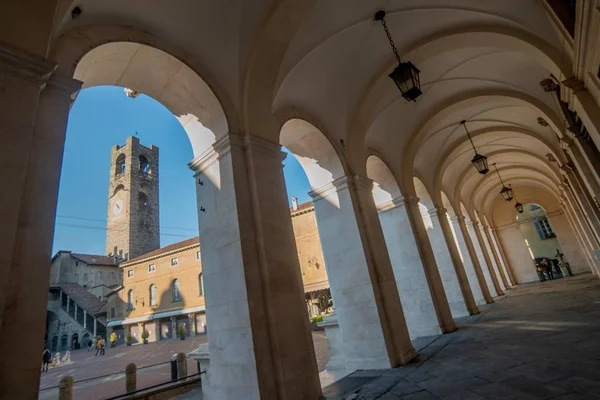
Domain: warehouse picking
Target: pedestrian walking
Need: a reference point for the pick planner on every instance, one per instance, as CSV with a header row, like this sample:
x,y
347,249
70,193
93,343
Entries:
x,y
46,359
99,346
90,345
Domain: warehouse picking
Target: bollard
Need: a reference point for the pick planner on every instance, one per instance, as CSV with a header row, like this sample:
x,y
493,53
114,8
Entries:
x,y
130,378
181,366
65,388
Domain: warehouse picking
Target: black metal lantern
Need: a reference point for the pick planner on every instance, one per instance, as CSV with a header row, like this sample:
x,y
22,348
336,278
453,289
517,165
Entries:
x,y
506,191
480,162
406,75
519,207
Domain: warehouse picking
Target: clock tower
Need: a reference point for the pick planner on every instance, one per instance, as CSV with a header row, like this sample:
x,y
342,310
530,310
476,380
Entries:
x,y
132,227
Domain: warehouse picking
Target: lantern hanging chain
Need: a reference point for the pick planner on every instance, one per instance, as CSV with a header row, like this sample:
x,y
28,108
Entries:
x,y
389,36
503,185
469,135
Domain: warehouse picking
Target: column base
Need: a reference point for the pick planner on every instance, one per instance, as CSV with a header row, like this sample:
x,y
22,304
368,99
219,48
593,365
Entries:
x,y
447,328
408,356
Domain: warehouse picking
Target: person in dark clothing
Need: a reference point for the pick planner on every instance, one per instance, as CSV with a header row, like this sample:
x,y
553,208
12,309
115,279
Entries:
x,y
548,268
90,345
46,359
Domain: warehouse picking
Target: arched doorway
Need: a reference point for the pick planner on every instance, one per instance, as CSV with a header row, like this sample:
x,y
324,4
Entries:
x,y
63,342
74,345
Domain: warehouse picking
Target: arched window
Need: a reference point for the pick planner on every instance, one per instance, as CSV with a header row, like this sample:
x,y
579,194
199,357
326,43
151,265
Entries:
x,y
176,293
120,165
143,200
130,300
152,295
200,285
144,165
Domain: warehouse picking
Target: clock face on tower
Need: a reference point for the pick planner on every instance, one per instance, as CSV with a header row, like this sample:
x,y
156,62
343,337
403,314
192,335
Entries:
x,y
118,206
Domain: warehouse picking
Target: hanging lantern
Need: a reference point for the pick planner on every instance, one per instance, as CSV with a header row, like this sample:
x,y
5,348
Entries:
x,y
480,162
519,207
506,191
406,75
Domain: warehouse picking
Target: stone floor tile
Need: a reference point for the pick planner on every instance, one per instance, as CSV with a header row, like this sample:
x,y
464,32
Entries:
x,y
419,396
539,389
581,385
497,391
403,388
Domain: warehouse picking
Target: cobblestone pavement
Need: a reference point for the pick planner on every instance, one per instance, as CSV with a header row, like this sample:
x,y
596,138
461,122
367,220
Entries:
x,y
86,366
541,341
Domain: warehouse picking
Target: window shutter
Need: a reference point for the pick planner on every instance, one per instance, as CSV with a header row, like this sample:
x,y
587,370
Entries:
x,y
540,231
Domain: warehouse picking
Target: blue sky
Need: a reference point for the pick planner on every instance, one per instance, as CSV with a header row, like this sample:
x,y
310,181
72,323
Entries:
x,y
102,117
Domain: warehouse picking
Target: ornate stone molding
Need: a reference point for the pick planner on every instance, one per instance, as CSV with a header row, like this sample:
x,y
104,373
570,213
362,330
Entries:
x,y
24,65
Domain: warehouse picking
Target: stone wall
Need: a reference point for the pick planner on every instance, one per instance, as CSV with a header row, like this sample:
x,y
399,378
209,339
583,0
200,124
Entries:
x,y
133,209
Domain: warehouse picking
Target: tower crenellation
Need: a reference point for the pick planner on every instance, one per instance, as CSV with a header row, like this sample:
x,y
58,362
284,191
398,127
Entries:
x,y
133,214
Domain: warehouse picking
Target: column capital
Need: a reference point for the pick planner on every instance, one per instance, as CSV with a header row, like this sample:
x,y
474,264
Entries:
x,y
231,141
396,202
567,168
63,87
191,315
24,65
336,185
362,182
437,211
172,318
458,218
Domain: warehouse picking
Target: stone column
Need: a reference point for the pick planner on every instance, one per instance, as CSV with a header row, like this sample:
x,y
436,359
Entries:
x,y
585,227
192,321
22,77
503,258
470,260
588,176
432,273
445,264
25,299
84,319
157,332
581,237
259,329
75,312
68,304
485,247
361,278
415,296
457,259
495,258
475,235
95,331
583,199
